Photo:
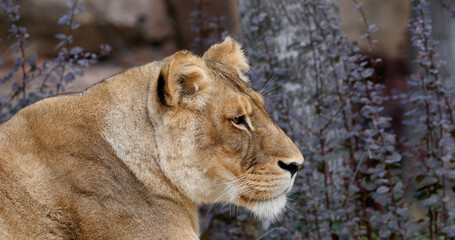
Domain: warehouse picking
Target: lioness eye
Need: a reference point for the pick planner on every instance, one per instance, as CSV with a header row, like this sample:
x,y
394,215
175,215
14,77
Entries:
x,y
239,120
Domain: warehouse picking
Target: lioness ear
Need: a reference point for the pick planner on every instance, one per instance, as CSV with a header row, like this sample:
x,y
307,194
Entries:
x,y
183,79
229,52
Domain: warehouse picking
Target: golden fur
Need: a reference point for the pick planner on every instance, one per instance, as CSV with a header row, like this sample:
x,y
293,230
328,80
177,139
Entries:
x,y
132,156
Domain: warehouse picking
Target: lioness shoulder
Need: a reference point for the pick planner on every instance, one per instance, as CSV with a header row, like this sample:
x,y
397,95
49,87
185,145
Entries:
x,y
134,155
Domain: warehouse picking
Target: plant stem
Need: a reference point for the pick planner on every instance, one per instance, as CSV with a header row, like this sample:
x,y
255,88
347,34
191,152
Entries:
x,y
24,74
67,46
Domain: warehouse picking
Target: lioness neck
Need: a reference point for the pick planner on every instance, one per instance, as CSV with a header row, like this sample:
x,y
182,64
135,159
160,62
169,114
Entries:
x,y
128,127
131,133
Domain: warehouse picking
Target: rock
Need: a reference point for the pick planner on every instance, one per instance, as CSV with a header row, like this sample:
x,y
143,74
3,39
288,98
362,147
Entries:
x,y
119,23
182,11
391,18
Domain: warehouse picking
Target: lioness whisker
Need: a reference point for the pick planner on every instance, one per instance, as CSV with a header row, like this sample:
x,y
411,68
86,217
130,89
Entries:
x,y
290,199
271,96
238,194
234,193
226,191
262,196
270,90
291,209
252,195
267,83
230,202
230,181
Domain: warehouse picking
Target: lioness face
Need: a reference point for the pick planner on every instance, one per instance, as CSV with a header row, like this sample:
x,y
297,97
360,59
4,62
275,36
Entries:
x,y
233,151
254,157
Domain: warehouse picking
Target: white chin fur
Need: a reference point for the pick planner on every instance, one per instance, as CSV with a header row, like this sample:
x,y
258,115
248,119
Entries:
x,y
269,211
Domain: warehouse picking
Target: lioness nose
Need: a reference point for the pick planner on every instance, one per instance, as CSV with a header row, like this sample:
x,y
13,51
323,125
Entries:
x,y
292,167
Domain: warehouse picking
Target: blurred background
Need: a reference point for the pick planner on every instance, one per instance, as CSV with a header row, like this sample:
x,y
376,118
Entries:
x,y
140,31
320,64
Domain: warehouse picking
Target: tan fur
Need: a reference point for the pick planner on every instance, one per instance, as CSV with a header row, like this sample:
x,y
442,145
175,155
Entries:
x,y
132,156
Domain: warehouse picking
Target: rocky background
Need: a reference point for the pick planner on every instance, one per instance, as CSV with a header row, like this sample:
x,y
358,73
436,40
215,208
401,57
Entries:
x,y
140,31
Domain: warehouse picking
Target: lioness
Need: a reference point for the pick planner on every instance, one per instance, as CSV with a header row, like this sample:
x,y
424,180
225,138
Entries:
x,y
132,156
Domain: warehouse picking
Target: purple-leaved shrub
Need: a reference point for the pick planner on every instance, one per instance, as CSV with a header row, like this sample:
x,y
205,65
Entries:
x,y
208,29
326,94
430,142
30,81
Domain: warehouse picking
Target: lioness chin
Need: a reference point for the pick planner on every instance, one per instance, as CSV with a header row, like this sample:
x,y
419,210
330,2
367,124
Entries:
x,y
134,155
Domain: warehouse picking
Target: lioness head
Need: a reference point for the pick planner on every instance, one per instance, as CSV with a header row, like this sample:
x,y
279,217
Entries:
x,y
217,142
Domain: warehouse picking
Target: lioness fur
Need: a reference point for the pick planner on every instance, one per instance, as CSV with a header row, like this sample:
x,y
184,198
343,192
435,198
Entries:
x,y
134,155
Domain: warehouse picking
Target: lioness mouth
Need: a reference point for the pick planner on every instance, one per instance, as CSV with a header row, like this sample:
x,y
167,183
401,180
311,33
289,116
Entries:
x,y
250,199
